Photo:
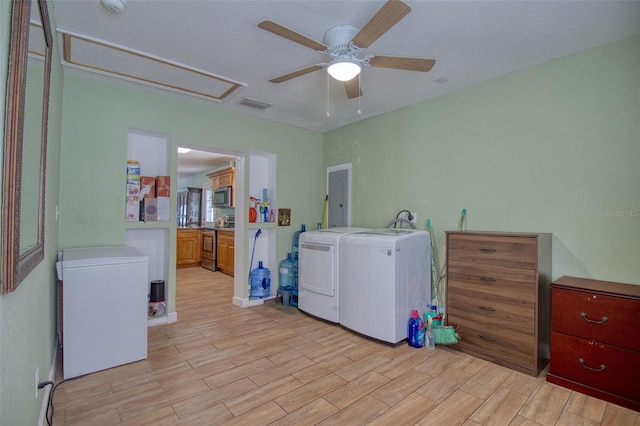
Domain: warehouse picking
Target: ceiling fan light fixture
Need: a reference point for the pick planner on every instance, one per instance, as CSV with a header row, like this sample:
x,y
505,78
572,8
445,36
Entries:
x,y
115,6
343,69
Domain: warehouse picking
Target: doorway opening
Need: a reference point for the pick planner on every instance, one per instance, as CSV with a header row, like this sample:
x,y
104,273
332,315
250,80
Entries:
x,y
339,193
192,169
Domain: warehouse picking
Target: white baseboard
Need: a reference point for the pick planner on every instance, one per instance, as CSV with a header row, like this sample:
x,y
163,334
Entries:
x,y
170,318
247,303
48,389
243,302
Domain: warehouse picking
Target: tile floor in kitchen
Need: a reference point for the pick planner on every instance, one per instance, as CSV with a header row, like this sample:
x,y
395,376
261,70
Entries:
x,y
273,365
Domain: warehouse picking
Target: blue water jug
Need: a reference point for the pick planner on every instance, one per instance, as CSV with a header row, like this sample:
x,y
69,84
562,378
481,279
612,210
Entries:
x,y
287,272
260,282
416,330
296,240
295,273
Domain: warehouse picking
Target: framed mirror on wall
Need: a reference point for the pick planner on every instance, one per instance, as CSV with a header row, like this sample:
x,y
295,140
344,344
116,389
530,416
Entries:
x,y
25,143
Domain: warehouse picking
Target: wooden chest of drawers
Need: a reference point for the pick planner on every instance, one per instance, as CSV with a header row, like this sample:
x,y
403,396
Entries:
x,y
595,341
498,296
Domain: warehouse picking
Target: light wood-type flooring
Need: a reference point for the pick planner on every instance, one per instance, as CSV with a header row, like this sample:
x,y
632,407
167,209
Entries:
x,y
273,365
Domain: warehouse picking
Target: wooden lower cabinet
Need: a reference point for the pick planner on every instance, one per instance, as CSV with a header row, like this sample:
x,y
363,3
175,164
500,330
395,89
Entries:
x,y
208,255
498,296
226,257
188,248
595,344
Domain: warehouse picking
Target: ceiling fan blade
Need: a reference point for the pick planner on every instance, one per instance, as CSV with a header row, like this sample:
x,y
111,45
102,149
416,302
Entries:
x,y
296,74
399,63
285,32
353,88
388,15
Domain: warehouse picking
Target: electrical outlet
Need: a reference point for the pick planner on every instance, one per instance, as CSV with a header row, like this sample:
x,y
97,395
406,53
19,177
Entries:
x,y
414,218
37,380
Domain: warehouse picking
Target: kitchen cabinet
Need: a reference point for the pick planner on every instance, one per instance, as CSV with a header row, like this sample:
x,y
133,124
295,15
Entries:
x,y
595,345
208,252
225,257
188,247
222,178
498,296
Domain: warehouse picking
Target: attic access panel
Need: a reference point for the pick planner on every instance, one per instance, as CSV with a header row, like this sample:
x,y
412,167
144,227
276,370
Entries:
x,y
120,62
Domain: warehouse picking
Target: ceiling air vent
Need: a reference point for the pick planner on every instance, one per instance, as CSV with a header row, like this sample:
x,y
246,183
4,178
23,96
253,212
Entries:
x,y
254,103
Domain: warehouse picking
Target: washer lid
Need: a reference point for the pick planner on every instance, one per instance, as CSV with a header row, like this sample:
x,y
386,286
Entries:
x,y
342,230
328,235
390,232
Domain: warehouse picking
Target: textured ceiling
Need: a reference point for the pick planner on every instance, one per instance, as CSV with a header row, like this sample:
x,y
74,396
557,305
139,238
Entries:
x,y
196,162
472,41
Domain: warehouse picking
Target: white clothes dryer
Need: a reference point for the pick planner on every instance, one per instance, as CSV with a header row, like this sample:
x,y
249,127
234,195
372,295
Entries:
x,y
384,274
318,272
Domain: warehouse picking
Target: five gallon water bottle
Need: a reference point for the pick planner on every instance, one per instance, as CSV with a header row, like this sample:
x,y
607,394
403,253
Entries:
x,y
287,273
260,282
296,240
296,243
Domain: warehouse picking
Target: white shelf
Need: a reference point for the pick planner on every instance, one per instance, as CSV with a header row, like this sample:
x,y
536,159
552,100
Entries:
x,y
152,150
262,174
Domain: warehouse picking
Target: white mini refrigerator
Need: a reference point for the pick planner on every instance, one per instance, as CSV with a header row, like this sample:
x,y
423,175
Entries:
x,y
104,308
384,274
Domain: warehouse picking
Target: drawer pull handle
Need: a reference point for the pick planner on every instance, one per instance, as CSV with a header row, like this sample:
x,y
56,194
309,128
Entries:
x,y
602,321
602,366
486,250
487,279
486,308
487,338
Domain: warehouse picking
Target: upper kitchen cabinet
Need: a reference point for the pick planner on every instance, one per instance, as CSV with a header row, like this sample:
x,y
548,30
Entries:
x,y
189,207
222,178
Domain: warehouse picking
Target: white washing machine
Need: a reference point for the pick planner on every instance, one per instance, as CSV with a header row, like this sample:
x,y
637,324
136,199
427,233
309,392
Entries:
x,y
384,274
318,278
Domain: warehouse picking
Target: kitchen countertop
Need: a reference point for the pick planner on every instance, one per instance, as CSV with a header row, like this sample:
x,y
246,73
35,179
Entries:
x,y
217,228
220,228
224,228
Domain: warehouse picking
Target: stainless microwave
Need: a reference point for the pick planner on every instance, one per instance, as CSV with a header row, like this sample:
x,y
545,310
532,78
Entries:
x,y
222,197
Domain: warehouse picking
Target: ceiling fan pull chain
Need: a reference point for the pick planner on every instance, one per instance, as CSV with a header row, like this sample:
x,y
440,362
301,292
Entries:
x,y
359,97
328,114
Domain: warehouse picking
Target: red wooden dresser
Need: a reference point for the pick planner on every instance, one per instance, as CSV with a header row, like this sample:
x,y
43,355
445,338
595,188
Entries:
x,y
595,339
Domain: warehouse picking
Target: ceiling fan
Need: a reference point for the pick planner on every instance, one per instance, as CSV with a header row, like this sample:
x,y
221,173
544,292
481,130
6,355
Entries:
x,y
344,43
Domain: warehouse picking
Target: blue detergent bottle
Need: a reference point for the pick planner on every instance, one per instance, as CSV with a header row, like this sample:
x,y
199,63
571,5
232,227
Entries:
x,y
416,330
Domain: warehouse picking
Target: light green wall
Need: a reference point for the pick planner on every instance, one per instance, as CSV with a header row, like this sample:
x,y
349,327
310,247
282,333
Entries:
x,y
28,315
194,181
97,115
553,148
